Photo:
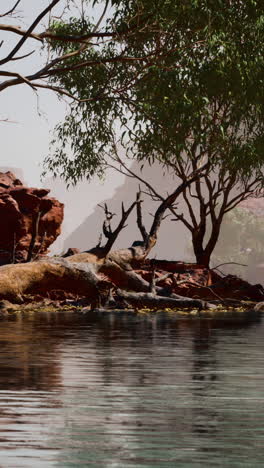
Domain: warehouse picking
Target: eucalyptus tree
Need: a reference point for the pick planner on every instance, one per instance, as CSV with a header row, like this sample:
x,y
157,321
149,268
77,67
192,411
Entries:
x,y
186,91
69,30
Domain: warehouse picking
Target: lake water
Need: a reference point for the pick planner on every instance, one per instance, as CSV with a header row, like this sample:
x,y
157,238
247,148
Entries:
x,y
131,391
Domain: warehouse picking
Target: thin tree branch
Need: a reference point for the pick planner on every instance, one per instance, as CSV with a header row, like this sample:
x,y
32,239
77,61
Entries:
x,y
28,32
139,218
9,12
112,235
19,31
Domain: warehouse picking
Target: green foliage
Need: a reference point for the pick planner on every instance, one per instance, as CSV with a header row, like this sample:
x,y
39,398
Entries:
x,y
174,73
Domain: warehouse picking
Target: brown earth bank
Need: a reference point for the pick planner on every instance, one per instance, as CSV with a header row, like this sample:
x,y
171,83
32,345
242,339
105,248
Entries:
x,y
82,281
31,220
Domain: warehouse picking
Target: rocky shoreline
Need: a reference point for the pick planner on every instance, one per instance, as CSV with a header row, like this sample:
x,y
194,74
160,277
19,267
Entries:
x,y
100,278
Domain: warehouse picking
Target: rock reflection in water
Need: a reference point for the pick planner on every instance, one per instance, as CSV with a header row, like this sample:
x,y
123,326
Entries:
x,y
117,390
28,354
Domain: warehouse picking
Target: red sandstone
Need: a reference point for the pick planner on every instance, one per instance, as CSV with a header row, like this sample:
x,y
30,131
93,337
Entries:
x,y
19,208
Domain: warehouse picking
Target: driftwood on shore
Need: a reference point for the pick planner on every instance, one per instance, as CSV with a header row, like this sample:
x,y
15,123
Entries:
x,y
94,281
154,301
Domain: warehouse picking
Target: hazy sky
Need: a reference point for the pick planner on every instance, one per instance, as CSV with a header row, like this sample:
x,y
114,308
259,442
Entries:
x,y
25,142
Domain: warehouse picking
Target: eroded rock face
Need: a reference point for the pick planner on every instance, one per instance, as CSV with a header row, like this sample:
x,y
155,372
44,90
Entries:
x,y
20,207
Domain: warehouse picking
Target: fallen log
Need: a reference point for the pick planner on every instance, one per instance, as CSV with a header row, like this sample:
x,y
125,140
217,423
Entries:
x,y
153,301
43,276
124,278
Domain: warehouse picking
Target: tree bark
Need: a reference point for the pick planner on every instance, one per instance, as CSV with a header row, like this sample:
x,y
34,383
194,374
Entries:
x,y
203,254
41,277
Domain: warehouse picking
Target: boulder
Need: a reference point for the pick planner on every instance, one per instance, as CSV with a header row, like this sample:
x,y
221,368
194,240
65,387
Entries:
x,y
23,211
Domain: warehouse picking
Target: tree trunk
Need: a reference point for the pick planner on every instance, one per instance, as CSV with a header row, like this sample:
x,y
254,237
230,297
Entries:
x,y
203,255
200,254
202,258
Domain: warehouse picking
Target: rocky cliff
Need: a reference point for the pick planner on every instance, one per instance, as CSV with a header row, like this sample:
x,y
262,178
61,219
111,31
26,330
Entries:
x,y
26,212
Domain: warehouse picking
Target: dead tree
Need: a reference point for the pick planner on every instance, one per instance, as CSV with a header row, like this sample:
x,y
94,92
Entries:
x,y
110,234
135,255
208,201
86,280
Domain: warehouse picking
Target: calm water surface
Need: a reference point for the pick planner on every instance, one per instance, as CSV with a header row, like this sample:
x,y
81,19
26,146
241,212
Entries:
x,y
125,391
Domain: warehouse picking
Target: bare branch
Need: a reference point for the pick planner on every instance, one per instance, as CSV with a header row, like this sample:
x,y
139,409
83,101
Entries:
x,y
23,56
35,231
23,79
9,12
163,277
141,227
180,217
19,31
62,92
101,17
170,200
28,32
228,263
107,229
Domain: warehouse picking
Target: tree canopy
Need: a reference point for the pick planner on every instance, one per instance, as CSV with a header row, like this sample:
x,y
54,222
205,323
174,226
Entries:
x,y
188,75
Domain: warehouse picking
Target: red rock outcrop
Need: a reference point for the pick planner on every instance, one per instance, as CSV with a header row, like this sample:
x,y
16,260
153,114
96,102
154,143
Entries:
x,y
21,210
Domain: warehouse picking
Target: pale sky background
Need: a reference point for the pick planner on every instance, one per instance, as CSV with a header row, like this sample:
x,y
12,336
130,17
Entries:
x,y
25,142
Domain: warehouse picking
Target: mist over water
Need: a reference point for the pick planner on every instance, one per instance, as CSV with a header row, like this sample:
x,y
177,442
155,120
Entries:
x,y
119,390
